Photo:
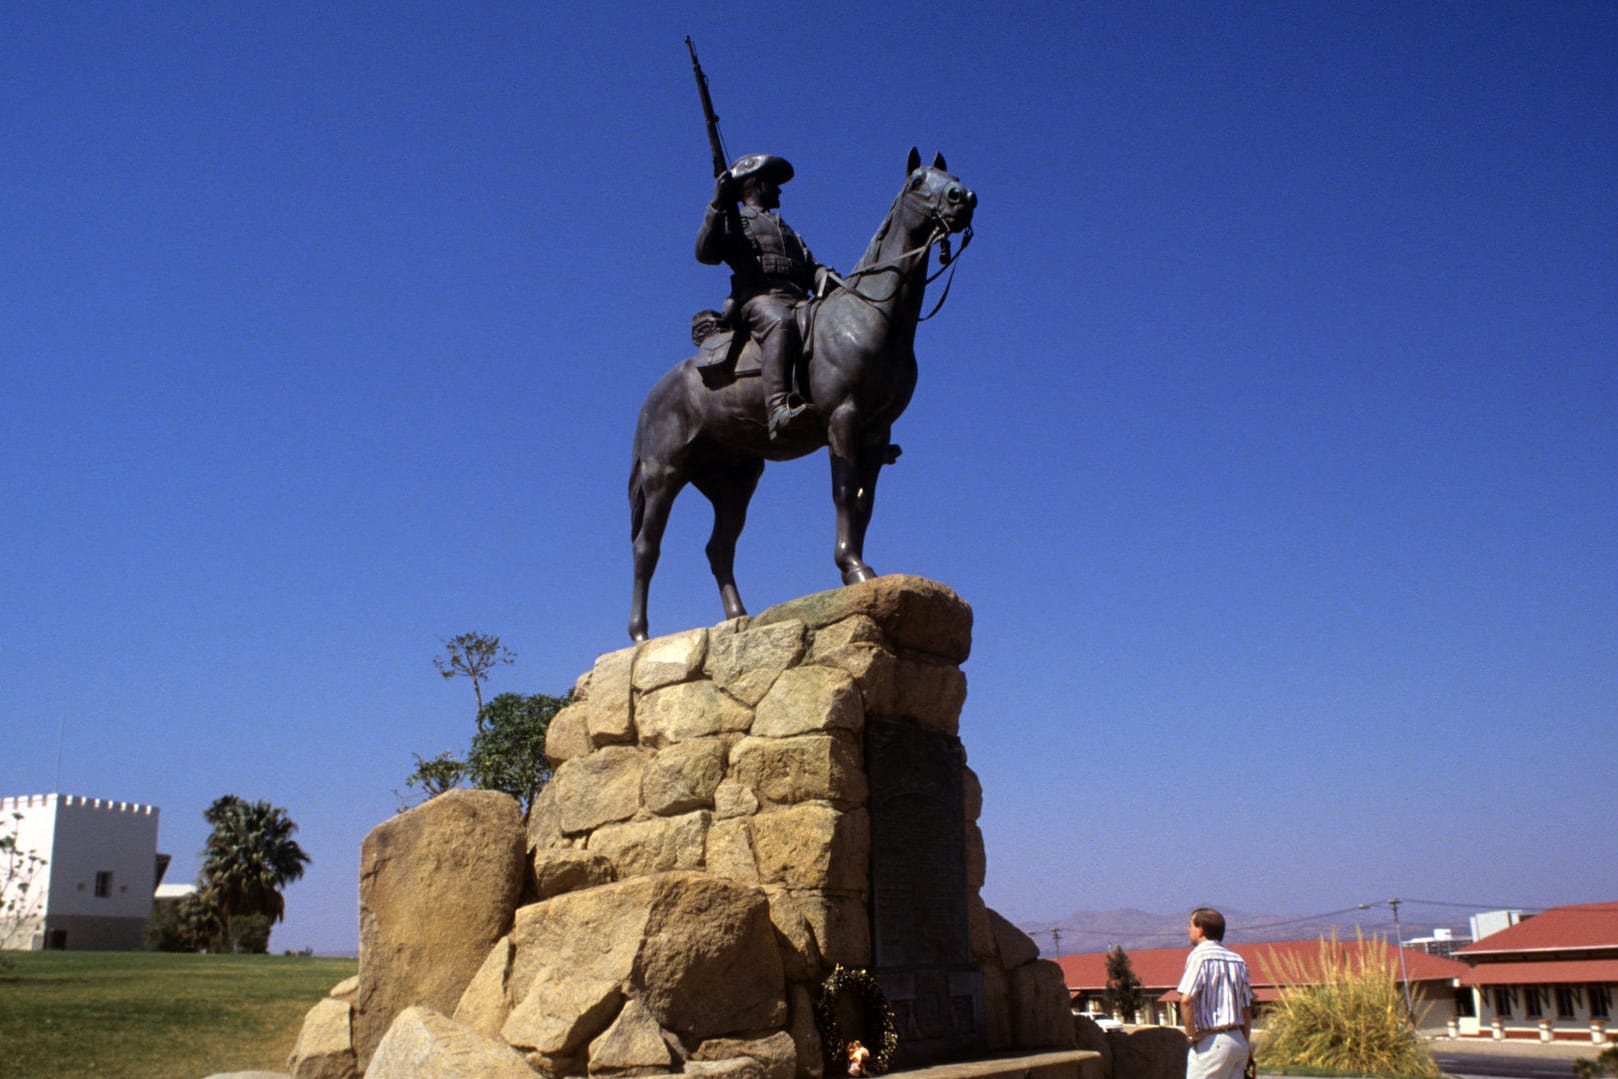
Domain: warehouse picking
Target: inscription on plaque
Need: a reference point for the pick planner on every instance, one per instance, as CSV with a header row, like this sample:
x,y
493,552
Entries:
x,y
919,919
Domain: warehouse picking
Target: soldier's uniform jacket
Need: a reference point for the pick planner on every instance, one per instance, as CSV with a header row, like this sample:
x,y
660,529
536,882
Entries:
x,y
764,256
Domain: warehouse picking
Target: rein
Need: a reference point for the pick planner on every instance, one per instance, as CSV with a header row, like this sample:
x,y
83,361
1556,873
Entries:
x,y
939,235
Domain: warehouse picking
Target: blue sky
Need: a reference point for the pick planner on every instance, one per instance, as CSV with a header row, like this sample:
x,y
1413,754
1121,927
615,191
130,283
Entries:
x,y
1271,428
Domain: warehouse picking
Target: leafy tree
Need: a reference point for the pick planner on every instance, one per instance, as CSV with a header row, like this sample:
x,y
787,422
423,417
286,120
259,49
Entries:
x,y
508,752
473,655
250,934
250,857
1124,988
19,868
436,776
189,924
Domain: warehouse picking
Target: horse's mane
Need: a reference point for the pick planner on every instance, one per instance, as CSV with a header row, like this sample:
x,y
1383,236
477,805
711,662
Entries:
x,y
875,246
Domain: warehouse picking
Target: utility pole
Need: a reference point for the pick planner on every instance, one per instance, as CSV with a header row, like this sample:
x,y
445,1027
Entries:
x,y
1398,936
1056,939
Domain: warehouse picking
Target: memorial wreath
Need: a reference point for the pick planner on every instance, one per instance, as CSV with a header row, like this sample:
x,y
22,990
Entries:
x,y
874,1012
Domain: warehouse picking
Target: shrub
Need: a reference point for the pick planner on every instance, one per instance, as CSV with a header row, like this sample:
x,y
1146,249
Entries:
x,y
1344,1013
1606,1063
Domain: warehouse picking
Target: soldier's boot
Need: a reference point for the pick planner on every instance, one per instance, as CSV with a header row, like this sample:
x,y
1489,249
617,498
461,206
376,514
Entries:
x,y
787,412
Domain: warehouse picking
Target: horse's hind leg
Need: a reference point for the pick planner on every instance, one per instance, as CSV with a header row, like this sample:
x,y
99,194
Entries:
x,y
652,490
729,487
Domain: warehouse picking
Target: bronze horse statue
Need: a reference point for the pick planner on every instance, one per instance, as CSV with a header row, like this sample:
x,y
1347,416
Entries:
x,y
859,372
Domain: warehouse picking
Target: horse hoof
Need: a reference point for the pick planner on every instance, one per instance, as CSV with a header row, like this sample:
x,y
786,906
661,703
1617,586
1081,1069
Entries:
x,y
856,574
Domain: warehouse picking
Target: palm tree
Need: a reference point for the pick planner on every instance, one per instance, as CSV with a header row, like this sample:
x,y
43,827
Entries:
x,y
250,857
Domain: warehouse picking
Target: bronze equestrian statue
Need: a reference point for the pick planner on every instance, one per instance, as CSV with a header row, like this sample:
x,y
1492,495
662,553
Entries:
x,y
714,420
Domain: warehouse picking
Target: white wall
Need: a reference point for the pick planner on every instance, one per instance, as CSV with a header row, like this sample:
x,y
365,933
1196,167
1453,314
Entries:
x,y
82,838
94,836
36,833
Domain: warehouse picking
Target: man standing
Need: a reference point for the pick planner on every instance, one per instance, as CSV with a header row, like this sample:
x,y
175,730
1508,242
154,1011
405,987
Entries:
x,y
1216,1002
771,271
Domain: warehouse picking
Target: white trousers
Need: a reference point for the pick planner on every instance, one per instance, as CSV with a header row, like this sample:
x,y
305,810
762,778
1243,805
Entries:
x,y
1217,1056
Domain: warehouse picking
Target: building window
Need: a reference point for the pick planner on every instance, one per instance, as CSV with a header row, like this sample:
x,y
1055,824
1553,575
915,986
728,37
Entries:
x,y
1502,1001
1533,1001
1600,1001
103,884
1567,1001
1464,1007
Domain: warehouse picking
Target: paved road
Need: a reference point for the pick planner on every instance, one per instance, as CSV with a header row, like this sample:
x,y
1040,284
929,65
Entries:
x,y
1513,1066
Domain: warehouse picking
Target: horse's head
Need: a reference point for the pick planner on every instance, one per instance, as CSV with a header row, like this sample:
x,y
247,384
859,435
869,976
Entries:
x,y
936,194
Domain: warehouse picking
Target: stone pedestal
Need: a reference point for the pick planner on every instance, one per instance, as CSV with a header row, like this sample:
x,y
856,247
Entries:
x,y
808,758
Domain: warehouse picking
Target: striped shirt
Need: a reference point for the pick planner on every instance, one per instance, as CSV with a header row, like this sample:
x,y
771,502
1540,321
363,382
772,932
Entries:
x,y
1216,979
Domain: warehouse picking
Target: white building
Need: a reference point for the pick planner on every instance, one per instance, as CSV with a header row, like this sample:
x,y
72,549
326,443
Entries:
x,y
94,891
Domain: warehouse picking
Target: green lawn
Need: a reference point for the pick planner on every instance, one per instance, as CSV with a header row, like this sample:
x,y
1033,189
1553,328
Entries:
x,y
152,1015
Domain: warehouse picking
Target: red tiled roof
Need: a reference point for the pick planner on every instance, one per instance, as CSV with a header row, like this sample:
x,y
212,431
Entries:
x,y
1548,973
1268,962
1560,929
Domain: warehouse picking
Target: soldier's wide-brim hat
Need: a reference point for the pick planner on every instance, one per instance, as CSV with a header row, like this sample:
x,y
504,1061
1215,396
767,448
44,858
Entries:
x,y
766,165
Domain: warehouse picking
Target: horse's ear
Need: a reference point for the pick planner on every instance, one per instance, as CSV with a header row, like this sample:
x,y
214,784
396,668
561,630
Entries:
x,y
938,163
915,161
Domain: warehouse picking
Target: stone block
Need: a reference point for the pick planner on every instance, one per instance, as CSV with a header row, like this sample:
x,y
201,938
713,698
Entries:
x,y
929,691
609,709
632,1045
708,963
1091,1038
568,735
729,852
438,887
812,767
325,1046
421,1044
745,662
776,1054
810,700
732,799
856,646
666,661
813,846
561,1012
971,794
914,613
659,845
980,932
684,776
1013,945
558,871
545,820
805,1034
800,955
841,926
598,789
1148,1053
977,858
1041,1017
687,711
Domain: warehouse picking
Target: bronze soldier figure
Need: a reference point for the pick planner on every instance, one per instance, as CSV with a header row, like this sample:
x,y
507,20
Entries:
x,y
772,269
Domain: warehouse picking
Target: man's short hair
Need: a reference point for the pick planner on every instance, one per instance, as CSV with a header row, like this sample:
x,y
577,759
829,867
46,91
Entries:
x,y
1210,921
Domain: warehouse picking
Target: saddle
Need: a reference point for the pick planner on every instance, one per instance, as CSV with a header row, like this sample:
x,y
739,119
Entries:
x,y
723,354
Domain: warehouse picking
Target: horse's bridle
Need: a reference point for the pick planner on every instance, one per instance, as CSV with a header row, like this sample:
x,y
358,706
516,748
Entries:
x,y
939,235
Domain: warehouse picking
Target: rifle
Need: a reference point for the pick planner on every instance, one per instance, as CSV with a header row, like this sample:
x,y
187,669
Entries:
x,y
716,145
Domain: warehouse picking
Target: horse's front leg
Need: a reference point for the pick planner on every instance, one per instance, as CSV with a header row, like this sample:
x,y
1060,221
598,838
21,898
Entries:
x,y
850,494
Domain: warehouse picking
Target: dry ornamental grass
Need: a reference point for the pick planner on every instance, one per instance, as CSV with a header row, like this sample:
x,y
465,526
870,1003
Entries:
x,y
1344,1012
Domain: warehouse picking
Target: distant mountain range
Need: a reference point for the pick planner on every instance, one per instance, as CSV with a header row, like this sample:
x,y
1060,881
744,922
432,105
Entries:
x,y
1099,930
